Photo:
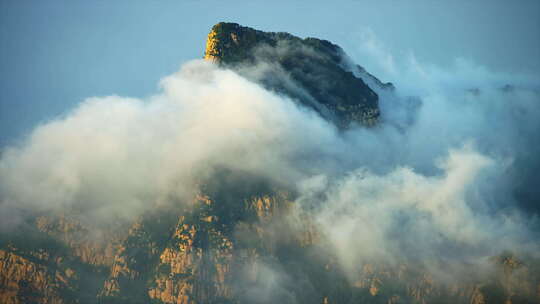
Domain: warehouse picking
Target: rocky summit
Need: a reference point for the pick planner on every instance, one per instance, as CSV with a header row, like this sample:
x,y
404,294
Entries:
x,y
311,71
236,241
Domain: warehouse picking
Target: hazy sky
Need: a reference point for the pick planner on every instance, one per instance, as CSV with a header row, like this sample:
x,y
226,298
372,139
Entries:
x,y
56,53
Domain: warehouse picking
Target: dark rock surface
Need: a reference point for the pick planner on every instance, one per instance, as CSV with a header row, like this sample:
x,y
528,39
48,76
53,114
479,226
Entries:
x,y
310,70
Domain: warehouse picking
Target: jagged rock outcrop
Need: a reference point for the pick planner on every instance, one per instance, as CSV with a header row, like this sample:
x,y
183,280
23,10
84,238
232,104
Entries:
x,y
25,281
311,71
41,269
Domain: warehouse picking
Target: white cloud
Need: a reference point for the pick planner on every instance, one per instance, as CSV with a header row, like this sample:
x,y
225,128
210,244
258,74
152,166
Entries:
x,y
409,187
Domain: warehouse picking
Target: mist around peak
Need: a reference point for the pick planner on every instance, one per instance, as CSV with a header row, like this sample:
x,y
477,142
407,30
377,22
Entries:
x,y
446,178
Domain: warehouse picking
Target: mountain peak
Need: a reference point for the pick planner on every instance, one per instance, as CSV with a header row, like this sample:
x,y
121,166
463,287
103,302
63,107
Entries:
x,y
226,40
311,71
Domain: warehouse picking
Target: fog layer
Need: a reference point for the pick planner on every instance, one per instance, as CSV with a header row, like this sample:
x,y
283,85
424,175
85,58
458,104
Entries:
x,y
447,175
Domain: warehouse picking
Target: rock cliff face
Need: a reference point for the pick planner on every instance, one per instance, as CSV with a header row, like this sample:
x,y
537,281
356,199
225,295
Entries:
x,y
315,71
240,241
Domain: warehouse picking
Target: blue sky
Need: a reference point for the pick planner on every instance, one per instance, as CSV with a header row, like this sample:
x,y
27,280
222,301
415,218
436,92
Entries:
x,y
56,53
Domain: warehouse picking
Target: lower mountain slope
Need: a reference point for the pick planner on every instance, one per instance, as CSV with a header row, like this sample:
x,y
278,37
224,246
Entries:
x,y
226,248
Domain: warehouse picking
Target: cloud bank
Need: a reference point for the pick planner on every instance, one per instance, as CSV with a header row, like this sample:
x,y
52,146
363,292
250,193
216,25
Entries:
x,y
447,176
121,156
